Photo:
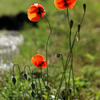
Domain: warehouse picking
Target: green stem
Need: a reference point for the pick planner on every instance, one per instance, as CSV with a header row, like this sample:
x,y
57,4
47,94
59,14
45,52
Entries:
x,y
47,45
41,72
70,28
61,81
70,39
67,60
28,67
68,16
64,75
73,74
40,88
18,68
62,61
69,78
69,46
36,87
77,32
42,77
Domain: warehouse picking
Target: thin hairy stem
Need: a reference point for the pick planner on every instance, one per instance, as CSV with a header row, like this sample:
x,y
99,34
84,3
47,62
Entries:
x,y
69,78
77,32
18,68
73,74
40,87
62,78
36,87
47,44
28,67
70,28
68,16
42,77
64,74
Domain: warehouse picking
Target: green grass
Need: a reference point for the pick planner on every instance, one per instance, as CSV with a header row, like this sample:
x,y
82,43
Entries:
x,y
86,51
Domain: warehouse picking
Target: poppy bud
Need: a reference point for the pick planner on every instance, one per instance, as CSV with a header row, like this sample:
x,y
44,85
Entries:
x,y
58,55
32,94
33,86
84,7
47,87
63,94
79,26
70,91
29,79
25,76
71,23
78,88
14,80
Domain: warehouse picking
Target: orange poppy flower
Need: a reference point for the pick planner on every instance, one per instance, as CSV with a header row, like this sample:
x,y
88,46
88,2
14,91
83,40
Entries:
x,y
39,61
63,4
36,11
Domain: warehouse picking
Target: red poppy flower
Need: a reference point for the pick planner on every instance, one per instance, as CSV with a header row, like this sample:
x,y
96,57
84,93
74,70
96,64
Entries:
x,y
39,61
36,11
63,4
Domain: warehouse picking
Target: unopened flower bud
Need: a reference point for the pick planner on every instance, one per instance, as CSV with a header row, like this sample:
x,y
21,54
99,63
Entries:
x,y
79,26
32,94
78,89
33,86
71,23
63,94
14,80
84,7
70,91
58,55
25,76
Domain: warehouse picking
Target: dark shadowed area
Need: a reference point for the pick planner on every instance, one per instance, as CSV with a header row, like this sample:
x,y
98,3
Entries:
x,y
15,22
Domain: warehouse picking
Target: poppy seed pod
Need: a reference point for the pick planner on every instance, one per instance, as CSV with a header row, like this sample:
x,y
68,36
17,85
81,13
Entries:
x,y
84,7
14,80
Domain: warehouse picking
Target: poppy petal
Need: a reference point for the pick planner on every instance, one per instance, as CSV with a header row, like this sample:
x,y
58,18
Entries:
x,y
45,63
60,4
71,5
34,17
42,15
33,9
63,4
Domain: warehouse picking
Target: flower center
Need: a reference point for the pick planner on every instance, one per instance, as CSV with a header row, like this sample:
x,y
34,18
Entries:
x,y
40,11
65,3
41,64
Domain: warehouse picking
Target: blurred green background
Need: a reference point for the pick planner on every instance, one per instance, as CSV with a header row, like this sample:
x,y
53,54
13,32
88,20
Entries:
x,y
86,51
